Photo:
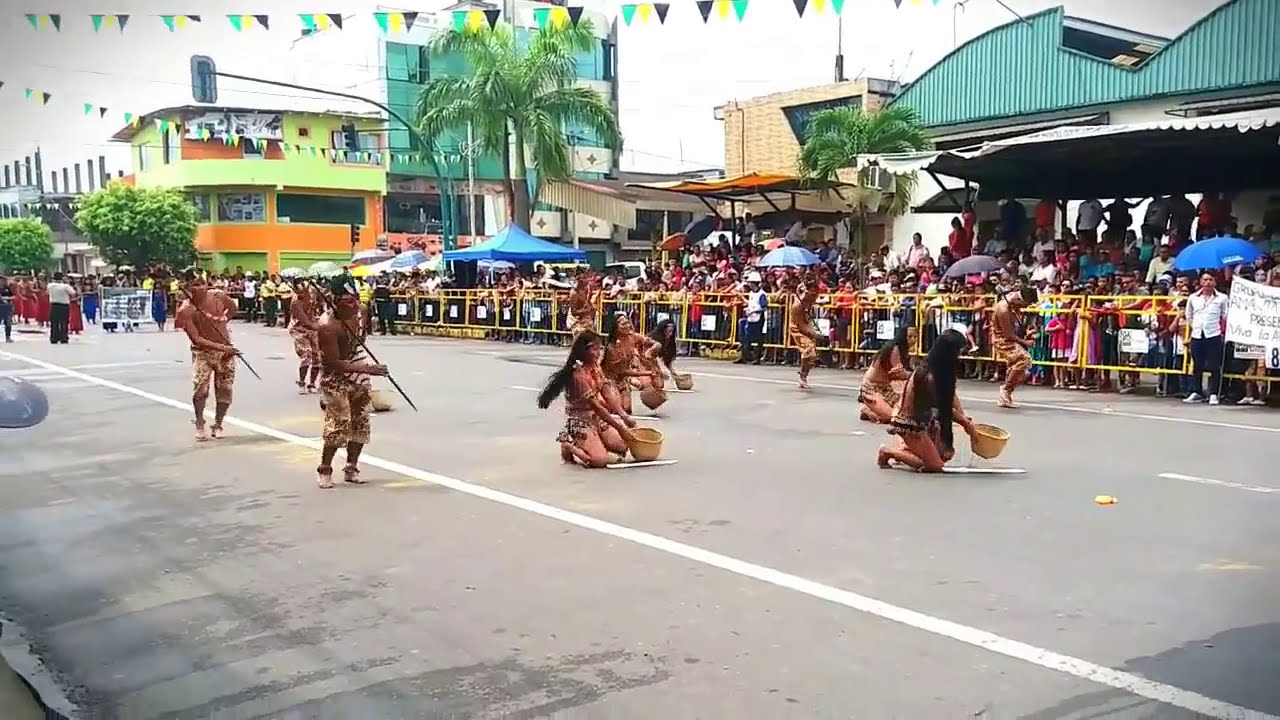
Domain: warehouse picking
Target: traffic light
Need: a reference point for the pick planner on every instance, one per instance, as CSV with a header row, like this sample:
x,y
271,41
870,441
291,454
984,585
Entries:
x,y
204,79
350,138
355,236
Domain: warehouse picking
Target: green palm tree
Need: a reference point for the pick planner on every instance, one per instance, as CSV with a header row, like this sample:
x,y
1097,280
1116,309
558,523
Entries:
x,y
835,138
518,95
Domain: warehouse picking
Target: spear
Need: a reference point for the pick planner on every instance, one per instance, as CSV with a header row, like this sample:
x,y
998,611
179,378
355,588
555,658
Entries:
x,y
331,306
226,339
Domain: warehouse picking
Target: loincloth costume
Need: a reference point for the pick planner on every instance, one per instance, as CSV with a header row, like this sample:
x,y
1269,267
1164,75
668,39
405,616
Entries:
x,y
805,343
873,389
347,399
1010,351
580,420
216,369
306,345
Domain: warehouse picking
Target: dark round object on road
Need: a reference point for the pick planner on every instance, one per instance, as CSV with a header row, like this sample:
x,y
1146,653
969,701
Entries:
x,y
22,404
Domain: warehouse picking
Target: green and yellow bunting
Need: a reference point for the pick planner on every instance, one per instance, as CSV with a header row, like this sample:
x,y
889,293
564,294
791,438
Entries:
x,y
556,16
109,21
475,19
315,22
642,13
38,97
90,108
242,23
395,22
820,6
44,22
722,9
178,22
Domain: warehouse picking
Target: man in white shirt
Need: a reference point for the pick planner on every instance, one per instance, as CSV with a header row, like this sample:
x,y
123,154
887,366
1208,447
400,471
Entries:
x,y
60,296
1161,264
1088,218
1206,312
917,253
250,294
753,338
1045,272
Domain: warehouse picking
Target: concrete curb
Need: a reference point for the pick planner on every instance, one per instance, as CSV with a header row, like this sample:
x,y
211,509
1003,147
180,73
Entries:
x,y
18,699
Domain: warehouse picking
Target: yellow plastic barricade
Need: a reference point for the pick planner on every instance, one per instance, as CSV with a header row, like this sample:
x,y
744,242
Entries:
x,y
1125,334
711,321
403,309
877,319
663,306
541,317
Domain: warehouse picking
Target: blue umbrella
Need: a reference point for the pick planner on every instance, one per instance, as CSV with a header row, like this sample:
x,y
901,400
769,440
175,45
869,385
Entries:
x,y
788,256
1216,253
409,260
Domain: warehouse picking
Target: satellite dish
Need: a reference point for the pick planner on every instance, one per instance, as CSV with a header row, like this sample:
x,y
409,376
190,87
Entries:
x,y
22,404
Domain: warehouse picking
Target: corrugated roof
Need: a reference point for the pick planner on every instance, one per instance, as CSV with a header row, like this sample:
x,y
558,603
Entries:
x,y
126,133
1234,47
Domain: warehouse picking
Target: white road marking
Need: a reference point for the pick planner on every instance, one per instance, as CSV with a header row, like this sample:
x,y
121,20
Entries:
x,y
647,463
526,388
1219,483
45,374
1041,657
983,471
1042,406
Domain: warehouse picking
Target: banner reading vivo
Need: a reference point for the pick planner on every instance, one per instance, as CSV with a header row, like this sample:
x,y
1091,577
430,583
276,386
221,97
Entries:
x,y
1253,319
126,307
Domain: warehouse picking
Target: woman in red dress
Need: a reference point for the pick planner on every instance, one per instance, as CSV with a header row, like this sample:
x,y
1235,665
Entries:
x,y
75,323
42,304
20,311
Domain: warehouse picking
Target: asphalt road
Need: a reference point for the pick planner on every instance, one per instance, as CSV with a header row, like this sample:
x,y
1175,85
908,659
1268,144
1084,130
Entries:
x,y
773,572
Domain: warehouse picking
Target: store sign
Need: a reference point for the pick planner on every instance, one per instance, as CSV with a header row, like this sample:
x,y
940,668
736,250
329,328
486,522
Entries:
x,y
798,115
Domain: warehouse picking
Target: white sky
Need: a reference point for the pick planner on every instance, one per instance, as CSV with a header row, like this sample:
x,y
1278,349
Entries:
x,y
671,76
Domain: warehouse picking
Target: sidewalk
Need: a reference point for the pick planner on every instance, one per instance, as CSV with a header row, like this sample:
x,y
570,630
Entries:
x,y
16,702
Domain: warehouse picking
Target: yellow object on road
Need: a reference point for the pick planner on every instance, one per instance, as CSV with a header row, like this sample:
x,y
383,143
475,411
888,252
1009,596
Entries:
x,y
1105,500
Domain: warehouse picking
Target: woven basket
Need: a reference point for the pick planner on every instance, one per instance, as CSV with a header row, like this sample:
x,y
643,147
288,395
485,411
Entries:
x,y
989,441
653,397
684,381
647,445
380,401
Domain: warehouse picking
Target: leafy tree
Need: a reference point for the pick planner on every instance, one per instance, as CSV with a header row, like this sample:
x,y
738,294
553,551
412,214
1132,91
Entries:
x,y
518,95
25,244
140,226
835,138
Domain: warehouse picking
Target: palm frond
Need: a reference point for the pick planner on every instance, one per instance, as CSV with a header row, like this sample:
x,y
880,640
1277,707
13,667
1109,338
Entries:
x,y
584,107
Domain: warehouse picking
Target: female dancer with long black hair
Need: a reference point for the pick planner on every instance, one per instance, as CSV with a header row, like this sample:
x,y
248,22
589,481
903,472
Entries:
x,y
592,436
927,409
664,334
624,350
891,364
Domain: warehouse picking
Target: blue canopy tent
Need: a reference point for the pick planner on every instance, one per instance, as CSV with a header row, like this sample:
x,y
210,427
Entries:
x,y
516,246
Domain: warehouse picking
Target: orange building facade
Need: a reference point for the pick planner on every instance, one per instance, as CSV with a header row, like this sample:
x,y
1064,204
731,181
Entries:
x,y
272,189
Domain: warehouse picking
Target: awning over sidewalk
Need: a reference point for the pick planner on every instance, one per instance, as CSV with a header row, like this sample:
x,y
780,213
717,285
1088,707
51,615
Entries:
x,y
1226,153
760,193
582,198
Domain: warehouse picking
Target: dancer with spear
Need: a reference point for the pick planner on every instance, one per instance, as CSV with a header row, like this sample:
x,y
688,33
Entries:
x,y
203,317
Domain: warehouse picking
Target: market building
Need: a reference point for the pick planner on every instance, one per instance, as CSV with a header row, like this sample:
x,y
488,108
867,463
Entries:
x,y
273,188
1056,70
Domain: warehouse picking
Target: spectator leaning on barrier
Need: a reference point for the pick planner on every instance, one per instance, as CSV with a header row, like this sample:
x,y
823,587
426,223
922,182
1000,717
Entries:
x,y
1206,314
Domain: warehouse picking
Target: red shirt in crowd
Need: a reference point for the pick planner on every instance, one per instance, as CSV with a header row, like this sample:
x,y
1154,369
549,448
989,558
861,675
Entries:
x,y
1046,213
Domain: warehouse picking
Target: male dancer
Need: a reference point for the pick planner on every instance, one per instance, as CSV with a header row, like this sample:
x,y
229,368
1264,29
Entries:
x,y
802,330
1010,347
303,326
583,300
203,317
347,391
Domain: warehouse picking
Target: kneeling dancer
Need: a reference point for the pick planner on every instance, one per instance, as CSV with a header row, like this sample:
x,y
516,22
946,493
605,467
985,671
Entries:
x,y
345,387
891,364
593,436
203,317
927,409
624,351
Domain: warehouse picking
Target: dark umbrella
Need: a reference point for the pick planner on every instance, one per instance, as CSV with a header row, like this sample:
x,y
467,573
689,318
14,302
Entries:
x,y
698,230
974,265
22,404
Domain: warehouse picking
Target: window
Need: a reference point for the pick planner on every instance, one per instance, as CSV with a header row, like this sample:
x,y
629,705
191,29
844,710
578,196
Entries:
x,y
172,150
201,203
320,209
242,207
253,149
368,144
144,158
164,151
610,59
422,214
423,72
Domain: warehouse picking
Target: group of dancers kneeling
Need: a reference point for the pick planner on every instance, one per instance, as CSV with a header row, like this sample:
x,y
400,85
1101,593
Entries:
x,y
921,416
597,380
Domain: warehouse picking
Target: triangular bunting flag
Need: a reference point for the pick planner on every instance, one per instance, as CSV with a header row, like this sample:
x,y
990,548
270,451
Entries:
x,y
628,14
237,22
740,9
335,19
575,14
800,6
837,5
128,118
88,108
540,16
45,98
723,8
264,21
407,19
704,8
34,20
492,16
43,21
661,9
646,11
102,112
897,3
97,21
178,22
56,22
819,5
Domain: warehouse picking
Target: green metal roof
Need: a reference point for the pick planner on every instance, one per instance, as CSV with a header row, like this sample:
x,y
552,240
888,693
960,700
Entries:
x,y
1025,68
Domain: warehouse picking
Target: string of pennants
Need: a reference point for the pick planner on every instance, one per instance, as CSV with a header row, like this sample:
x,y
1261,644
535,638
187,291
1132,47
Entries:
x,y
399,22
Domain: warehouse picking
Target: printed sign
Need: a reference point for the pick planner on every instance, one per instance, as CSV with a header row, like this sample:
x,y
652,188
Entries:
x,y
1253,315
125,305
663,316
1134,341
482,312
708,323
453,312
402,310
535,314
429,310
885,329
506,315
824,326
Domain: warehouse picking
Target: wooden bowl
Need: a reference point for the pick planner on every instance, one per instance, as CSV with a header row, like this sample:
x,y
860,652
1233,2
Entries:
x,y
989,441
684,381
647,445
653,397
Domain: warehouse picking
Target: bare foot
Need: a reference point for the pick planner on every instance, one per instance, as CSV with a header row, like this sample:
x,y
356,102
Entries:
x,y
804,383
201,435
215,431
1006,400
351,474
324,478
882,458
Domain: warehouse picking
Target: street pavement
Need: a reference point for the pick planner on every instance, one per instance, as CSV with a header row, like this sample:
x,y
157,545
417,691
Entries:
x,y
774,572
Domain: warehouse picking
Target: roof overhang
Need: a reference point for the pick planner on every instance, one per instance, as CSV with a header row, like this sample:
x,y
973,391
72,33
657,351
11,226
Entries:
x,y
761,192
582,198
1226,153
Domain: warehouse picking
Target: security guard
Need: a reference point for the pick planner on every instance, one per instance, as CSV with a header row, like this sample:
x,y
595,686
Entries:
x,y
269,290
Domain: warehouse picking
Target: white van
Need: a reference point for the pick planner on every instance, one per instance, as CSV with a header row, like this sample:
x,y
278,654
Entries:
x,y
632,273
